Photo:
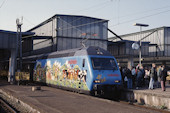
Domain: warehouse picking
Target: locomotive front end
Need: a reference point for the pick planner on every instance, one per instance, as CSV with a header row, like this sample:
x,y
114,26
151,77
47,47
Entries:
x,y
106,74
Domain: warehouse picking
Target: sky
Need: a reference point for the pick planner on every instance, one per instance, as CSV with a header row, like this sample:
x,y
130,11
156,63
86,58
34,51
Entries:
x,y
122,14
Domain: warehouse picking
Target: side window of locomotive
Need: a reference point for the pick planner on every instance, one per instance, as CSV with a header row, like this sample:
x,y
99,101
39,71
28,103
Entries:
x,y
83,65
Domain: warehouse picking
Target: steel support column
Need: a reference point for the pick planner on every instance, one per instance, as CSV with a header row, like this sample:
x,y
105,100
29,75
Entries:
x,y
12,62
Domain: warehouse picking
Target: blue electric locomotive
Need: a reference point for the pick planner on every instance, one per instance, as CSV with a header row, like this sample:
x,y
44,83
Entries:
x,y
88,70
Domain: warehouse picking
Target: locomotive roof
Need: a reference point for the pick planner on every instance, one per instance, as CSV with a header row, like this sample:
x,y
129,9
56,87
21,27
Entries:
x,y
90,50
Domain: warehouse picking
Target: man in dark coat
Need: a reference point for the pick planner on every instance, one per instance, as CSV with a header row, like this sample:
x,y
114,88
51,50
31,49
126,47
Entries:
x,y
139,78
129,77
163,77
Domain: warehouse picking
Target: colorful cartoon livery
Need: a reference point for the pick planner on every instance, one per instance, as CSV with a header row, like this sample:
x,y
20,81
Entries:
x,y
87,70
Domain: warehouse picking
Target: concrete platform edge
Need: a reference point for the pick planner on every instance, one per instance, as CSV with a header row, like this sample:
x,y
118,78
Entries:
x,y
150,99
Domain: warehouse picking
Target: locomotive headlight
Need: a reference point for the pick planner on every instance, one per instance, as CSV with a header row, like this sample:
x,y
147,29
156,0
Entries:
x,y
96,81
117,81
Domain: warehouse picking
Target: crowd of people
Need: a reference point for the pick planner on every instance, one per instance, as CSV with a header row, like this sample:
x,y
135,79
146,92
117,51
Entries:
x,y
138,77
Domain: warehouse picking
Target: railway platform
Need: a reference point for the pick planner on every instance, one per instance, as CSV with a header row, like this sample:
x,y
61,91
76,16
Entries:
x,y
52,100
155,97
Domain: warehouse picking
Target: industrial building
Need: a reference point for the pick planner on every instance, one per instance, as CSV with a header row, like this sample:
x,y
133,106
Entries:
x,y
155,47
62,32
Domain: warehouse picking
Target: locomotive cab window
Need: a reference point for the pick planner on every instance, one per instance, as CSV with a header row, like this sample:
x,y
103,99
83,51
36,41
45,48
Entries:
x,y
103,64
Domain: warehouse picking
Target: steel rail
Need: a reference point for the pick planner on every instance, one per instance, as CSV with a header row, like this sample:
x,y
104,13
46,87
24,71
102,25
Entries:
x,y
6,107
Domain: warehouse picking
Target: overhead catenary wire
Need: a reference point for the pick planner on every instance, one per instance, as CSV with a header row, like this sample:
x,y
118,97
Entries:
x,y
28,20
70,25
3,3
105,20
103,3
119,23
112,18
76,27
146,11
84,24
99,21
147,16
137,13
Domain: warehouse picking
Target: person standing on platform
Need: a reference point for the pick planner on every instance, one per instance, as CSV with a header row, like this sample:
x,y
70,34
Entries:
x,y
152,75
133,76
159,71
147,77
129,77
163,77
138,78
143,74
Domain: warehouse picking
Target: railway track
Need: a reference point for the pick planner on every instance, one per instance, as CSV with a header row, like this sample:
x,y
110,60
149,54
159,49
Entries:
x,y
6,108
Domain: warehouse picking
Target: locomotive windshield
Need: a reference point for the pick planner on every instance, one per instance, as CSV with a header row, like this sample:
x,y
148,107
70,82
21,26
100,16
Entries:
x,y
103,64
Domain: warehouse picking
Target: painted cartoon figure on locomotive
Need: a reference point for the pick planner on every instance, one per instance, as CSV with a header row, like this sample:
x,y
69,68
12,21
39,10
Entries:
x,y
87,70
